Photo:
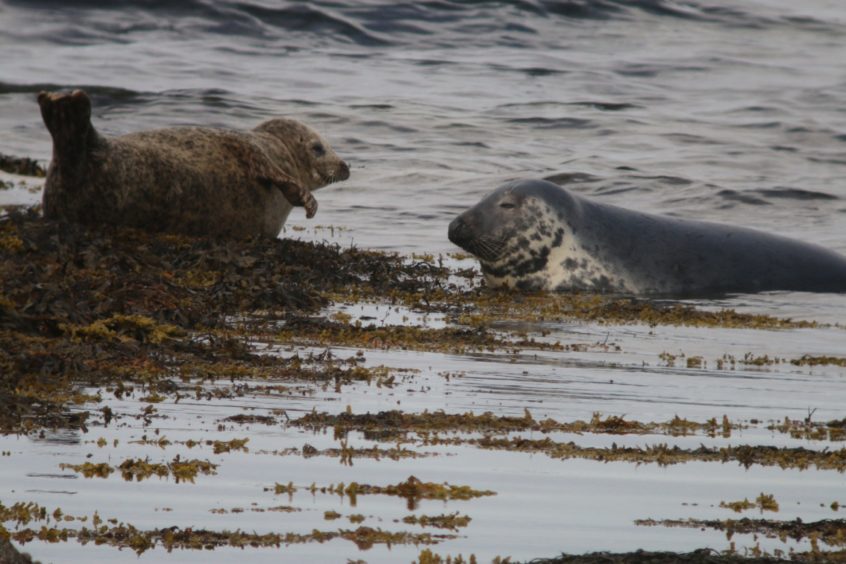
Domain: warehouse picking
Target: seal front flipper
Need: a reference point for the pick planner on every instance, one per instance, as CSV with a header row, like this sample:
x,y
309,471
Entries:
x,y
295,194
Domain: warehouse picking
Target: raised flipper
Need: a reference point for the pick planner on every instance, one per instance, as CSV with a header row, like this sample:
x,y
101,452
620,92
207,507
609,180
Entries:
x,y
68,119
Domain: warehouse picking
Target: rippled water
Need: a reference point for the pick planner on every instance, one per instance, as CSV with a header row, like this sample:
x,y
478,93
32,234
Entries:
x,y
727,111
713,109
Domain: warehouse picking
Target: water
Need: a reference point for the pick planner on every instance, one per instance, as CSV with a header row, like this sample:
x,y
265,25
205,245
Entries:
x,y
714,110
699,109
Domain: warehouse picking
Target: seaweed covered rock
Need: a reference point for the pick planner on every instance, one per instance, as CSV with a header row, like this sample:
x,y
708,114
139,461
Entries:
x,y
21,165
99,305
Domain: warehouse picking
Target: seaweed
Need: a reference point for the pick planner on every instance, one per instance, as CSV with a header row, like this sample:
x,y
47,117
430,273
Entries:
x,y
127,536
764,502
829,531
700,556
412,490
24,166
389,424
103,306
451,521
141,469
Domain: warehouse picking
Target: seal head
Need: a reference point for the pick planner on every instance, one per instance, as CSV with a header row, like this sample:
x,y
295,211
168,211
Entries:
x,y
312,156
515,232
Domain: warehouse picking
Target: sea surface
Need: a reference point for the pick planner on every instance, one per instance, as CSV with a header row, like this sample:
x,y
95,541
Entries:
x,y
720,110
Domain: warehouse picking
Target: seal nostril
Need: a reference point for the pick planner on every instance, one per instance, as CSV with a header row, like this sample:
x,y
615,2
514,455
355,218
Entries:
x,y
345,171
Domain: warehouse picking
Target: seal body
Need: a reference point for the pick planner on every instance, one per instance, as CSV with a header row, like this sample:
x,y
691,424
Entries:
x,y
535,235
199,181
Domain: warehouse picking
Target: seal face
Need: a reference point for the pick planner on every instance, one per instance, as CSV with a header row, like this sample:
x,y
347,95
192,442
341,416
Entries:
x,y
535,235
194,180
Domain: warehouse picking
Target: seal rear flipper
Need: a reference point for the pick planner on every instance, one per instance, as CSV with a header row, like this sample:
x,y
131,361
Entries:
x,y
295,194
68,119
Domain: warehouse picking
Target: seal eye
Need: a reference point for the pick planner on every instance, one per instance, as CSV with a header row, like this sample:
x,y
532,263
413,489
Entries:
x,y
318,149
507,205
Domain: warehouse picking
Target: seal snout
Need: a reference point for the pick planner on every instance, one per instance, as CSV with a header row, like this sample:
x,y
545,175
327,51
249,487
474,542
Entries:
x,y
465,236
460,233
343,171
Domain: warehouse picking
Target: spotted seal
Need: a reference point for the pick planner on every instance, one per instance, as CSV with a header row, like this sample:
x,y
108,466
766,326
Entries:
x,y
194,180
535,235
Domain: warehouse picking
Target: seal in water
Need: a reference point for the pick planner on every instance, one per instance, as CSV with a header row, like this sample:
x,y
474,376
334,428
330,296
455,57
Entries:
x,y
535,235
194,180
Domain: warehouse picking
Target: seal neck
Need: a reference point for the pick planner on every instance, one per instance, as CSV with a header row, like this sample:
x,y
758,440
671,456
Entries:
x,y
289,159
71,156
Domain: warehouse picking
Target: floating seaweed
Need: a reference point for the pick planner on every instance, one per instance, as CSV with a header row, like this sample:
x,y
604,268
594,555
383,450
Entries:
x,y
452,521
829,531
412,490
140,469
764,502
140,541
387,423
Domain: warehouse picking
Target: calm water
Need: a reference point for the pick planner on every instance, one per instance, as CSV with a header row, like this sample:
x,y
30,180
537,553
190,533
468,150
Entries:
x,y
719,110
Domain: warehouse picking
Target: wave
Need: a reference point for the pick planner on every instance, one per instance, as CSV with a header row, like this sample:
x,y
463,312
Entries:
x,y
176,103
376,23
764,196
554,123
102,93
781,192
307,18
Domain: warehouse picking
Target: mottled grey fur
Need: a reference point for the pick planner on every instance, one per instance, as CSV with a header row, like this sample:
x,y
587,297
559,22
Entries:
x,y
193,180
533,234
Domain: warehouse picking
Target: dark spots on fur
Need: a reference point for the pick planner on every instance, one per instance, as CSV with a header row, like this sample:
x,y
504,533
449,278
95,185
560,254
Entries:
x,y
573,264
543,251
531,284
522,243
520,266
559,236
602,284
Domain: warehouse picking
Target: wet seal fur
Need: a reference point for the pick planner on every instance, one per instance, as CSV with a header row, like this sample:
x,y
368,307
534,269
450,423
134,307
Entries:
x,y
193,180
535,235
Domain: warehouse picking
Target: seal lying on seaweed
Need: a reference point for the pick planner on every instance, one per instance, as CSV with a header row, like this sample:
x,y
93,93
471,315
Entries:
x,y
535,235
193,180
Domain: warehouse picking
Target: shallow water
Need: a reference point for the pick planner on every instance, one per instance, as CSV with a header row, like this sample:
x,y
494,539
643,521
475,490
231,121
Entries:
x,y
713,110
542,505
